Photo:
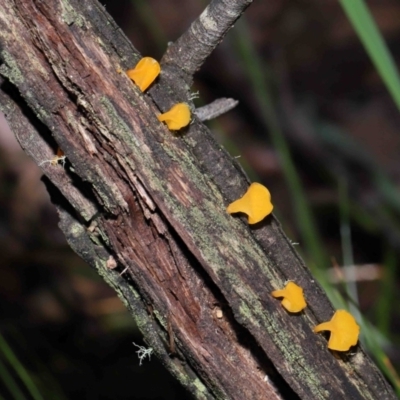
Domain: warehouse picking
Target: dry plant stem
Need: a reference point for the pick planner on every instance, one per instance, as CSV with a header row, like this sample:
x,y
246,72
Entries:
x,y
155,203
215,109
191,50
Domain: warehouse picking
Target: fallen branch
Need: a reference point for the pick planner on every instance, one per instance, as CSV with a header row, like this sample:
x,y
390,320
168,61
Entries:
x,y
147,208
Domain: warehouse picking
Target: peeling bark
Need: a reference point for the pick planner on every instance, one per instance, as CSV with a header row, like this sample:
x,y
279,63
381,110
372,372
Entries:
x,y
138,198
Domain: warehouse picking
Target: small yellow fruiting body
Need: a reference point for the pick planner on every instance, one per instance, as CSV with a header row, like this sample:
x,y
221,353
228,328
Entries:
x,y
293,297
145,72
177,117
60,156
256,203
344,331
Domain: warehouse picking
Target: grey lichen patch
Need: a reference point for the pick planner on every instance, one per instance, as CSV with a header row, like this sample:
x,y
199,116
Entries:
x,y
190,141
248,313
42,114
118,125
75,230
114,280
70,16
104,238
358,363
10,68
87,211
160,318
195,385
210,25
201,390
40,111
293,355
198,220
359,359
292,351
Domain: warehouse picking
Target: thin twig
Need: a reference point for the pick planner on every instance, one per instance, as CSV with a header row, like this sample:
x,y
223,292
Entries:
x,y
206,32
215,109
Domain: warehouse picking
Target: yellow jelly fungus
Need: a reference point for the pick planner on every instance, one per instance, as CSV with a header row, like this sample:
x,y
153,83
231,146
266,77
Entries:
x,y
344,331
145,72
293,298
177,117
256,203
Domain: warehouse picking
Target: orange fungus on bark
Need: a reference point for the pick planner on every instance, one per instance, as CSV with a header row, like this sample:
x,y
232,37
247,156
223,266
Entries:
x,y
177,117
293,297
145,72
344,331
256,203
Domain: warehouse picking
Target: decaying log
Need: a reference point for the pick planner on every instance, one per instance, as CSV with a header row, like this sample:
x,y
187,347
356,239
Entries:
x,y
133,197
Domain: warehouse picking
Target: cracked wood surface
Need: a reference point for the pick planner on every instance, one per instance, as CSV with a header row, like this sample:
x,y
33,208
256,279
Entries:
x,y
198,281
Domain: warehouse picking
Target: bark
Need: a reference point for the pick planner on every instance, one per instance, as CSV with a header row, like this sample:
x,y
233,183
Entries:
x,y
133,197
189,52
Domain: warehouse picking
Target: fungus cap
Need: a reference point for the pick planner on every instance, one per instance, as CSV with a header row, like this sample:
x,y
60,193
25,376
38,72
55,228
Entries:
x,y
293,297
344,331
256,203
145,72
177,117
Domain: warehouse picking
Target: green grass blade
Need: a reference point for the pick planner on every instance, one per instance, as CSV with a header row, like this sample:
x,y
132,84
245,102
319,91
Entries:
x,y
50,388
372,341
10,383
19,369
256,72
370,36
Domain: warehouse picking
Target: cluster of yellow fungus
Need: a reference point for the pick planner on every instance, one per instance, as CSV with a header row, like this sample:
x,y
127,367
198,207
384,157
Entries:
x,y
293,297
256,203
343,327
144,74
344,331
